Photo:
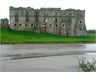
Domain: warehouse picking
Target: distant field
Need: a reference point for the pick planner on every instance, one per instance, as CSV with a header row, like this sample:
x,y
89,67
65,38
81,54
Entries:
x,y
13,36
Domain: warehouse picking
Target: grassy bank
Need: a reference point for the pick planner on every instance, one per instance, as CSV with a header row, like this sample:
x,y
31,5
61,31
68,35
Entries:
x,y
13,36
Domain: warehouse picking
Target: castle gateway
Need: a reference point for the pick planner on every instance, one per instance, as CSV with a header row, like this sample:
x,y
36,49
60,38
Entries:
x,y
69,22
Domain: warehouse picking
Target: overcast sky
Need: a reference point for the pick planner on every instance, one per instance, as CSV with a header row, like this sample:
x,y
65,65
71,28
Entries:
x,y
88,5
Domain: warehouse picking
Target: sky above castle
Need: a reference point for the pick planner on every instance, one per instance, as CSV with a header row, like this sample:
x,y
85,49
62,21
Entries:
x,y
87,5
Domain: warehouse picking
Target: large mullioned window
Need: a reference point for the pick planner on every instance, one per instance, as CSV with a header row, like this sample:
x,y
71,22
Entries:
x,y
27,16
16,17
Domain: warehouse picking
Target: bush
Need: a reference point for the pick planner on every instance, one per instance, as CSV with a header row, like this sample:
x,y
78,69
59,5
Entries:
x,y
85,65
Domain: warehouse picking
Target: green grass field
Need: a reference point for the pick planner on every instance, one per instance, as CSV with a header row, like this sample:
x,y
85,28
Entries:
x,y
14,36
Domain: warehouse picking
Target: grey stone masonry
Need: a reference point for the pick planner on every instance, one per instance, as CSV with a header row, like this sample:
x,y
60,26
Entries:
x,y
69,22
4,23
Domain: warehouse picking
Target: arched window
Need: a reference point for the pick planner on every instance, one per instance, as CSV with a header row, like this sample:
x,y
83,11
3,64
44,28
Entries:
x,y
50,25
15,24
27,16
46,20
54,13
55,19
20,24
46,13
80,21
16,17
43,25
56,25
80,29
25,24
31,24
36,24
63,25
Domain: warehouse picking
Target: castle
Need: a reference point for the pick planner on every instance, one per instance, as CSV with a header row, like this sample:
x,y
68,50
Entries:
x,y
69,22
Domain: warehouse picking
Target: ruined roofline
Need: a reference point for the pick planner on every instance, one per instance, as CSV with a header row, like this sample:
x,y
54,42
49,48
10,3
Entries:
x,y
4,18
50,8
11,7
73,9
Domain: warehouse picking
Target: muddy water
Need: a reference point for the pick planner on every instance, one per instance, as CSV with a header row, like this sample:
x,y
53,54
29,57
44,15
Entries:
x,y
22,51
44,57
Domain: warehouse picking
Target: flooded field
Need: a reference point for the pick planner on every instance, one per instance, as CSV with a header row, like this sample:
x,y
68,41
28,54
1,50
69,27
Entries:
x,y
44,57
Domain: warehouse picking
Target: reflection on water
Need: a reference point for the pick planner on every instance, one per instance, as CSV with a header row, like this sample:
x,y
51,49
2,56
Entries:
x,y
90,53
5,58
37,55
22,51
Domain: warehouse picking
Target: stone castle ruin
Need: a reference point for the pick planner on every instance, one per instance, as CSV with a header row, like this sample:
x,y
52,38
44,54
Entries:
x,y
4,23
69,22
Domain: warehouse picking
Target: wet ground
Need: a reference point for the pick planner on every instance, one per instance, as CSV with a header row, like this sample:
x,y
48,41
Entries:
x,y
44,57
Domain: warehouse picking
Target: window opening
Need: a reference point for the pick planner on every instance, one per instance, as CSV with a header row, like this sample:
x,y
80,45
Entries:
x,y
15,24
20,24
25,24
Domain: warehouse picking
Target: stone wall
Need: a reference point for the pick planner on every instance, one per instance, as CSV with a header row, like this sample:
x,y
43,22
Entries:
x,y
4,23
69,22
